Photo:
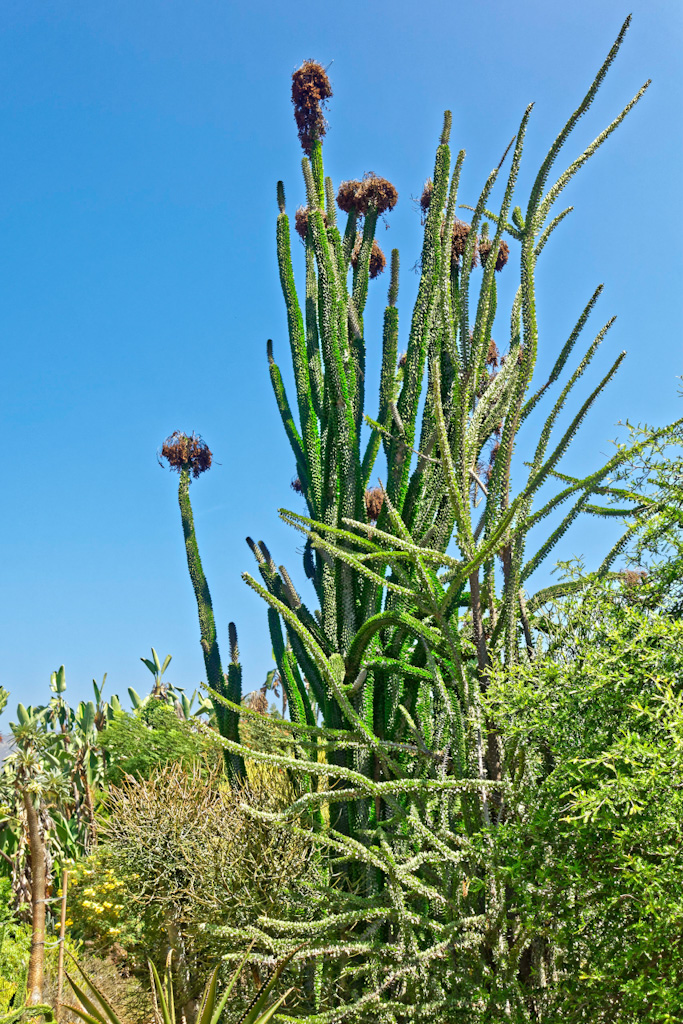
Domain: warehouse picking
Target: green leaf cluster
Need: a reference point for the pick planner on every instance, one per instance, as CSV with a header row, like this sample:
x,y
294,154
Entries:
x,y
592,848
136,744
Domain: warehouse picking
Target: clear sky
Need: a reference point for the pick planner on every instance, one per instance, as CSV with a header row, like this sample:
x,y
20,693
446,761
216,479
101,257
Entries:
x,y
141,142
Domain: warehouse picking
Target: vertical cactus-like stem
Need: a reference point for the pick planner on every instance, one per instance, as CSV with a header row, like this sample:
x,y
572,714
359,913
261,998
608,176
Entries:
x,y
318,171
387,386
301,351
407,405
227,719
340,391
315,370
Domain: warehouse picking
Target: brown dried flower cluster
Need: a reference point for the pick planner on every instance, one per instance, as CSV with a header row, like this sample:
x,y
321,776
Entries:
x,y
461,232
485,246
426,197
378,260
296,485
492,355
371,191
374,499
402,360
481,251
310,91
301,221
187,451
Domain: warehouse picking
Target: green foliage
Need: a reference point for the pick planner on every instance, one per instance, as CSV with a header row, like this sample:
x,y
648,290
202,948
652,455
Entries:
x,y
119,986
157,669
56,749
592,840
654,474
101,913
189,867
25,1013
15,946
137,744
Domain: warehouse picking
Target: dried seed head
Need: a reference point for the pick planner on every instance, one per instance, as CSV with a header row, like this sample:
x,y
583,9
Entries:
x,y
187,451
296,485
311,90
347,195
426,197
378,260
402,360
634,578
378,192
493,354
301,221
461,232
485,247
371,191
503,256
374,499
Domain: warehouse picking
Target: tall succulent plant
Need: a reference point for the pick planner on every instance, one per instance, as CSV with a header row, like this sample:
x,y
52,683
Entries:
x,y
383,679
190,456
384,610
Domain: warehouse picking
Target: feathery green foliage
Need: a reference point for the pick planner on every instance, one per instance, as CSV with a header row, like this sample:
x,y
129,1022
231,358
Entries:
x,y
591,844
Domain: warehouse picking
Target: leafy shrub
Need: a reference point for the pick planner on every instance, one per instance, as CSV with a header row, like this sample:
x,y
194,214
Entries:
x,y
15,947
139,743
592,845
100,914
190,868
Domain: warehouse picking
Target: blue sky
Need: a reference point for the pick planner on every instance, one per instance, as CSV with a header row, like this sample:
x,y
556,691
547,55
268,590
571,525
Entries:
x,y
141,146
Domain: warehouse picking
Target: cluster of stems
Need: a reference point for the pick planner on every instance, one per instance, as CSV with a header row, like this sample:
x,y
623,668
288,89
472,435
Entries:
x,y
401,772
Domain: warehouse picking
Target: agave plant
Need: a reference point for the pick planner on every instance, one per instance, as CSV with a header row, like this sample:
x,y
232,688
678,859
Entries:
x,y
97,1009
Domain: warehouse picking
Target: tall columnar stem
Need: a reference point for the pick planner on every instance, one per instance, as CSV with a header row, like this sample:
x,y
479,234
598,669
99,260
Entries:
x,y
228,720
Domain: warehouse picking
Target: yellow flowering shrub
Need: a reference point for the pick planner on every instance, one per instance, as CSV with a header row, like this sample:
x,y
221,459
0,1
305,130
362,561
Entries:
x,y
99,910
